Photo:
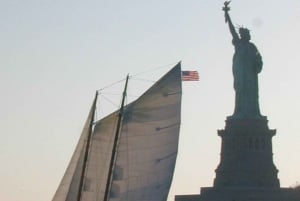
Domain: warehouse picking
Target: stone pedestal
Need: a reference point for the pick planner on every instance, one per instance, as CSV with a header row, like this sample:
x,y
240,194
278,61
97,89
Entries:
x,y
246,171
246,155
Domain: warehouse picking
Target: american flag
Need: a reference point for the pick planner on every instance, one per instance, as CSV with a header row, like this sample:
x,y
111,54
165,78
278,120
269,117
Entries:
x,y
189,76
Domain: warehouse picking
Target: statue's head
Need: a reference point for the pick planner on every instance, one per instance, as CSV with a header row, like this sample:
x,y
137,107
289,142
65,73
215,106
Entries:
x,y
244,33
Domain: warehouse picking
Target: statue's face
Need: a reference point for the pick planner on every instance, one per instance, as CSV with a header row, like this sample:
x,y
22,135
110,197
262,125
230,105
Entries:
x,y
245,35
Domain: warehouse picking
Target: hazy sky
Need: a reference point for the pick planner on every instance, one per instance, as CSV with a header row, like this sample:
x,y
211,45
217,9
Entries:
x,y
54,54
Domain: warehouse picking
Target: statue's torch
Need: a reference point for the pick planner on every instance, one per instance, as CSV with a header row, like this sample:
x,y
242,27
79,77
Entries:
x,y
226,8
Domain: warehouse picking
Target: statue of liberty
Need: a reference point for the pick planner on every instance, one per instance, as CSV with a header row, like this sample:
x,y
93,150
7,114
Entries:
x,y
247,63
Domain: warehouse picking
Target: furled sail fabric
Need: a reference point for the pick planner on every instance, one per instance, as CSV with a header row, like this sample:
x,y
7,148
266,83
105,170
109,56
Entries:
x,y
146,148
69,187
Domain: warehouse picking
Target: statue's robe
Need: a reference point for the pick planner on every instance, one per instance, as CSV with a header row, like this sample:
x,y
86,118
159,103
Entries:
x,y
247,63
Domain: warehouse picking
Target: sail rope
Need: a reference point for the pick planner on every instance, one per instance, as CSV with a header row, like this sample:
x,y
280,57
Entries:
x,y
135,76
108,92
155,69
110,85
110,101
142,79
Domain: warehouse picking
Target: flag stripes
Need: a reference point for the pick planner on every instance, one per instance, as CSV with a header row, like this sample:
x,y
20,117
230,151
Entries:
x,y
189,76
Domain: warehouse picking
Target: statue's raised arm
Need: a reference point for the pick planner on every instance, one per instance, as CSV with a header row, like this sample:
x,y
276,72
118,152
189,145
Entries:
x,y
233,32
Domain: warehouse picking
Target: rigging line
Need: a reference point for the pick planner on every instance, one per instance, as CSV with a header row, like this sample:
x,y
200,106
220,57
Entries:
x,y
110,85
107,93
142,79
114,104
153,69
143,72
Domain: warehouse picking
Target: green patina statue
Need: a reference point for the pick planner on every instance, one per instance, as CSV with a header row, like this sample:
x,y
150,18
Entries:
x,y
247,63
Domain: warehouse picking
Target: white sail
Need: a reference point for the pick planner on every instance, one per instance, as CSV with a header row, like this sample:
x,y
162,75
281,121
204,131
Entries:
x,y
146,149
99,159
69,187
148,143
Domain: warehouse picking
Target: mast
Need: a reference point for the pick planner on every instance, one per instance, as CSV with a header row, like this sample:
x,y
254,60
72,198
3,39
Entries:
x,y
87,149
114,150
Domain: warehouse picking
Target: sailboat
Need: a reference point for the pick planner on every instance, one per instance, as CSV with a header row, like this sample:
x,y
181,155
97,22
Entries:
x,y
130,154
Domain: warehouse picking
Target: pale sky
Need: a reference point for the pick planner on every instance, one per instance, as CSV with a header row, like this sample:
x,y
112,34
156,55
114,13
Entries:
x,y
55,54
